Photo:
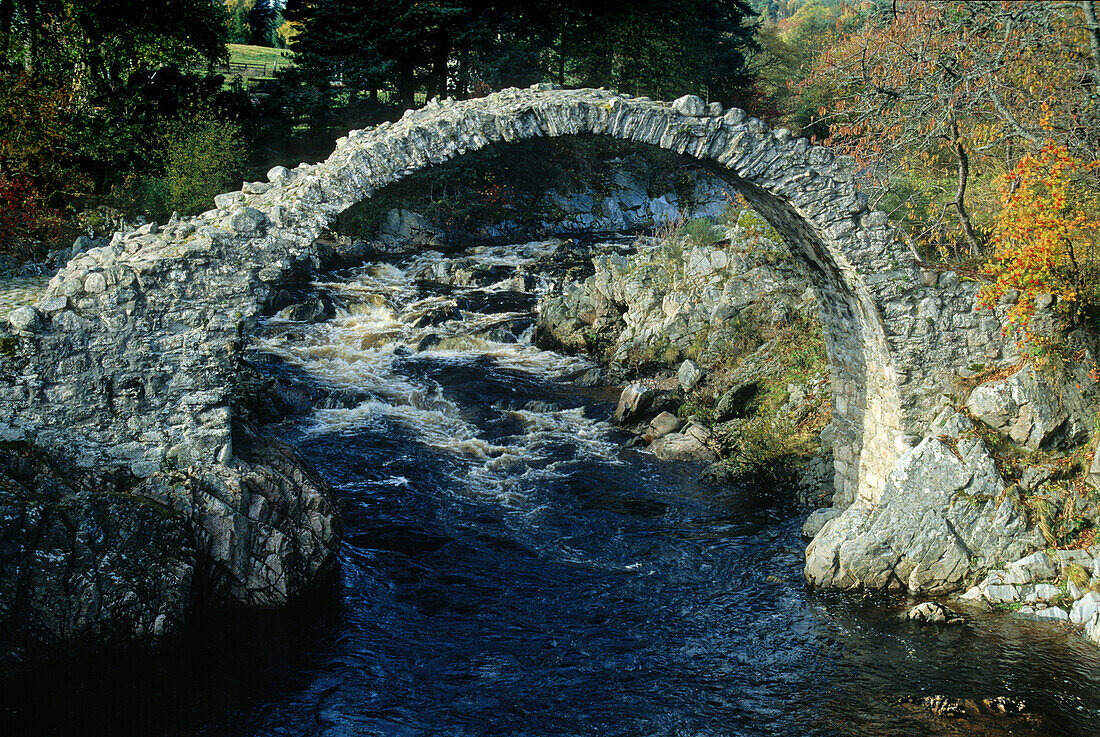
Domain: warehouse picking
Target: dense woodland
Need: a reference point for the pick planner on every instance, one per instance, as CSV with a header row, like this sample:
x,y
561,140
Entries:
x,y
977,123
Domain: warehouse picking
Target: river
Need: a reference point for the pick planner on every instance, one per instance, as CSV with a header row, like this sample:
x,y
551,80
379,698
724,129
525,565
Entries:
x,y
511,568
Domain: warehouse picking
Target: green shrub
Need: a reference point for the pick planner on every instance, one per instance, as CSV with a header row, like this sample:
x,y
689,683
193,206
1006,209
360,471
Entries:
x,y
203,156
701,232
198,156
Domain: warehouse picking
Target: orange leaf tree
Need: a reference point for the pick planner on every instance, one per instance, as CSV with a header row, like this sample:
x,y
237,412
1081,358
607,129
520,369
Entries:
x,y
948,86
1047,236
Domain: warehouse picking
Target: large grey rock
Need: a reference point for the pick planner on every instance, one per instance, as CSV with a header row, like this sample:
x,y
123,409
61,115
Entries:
x,y
100,559
634,400
1092,629
817,520
277,174
266,528
227,200
932,612
24,319
693,444
247,220
689,375
410,228
1085,608
692,105
1003,593
665,208
1035,567
735,400
943,513
662,425
79,566
1030,409
312,310
1042,592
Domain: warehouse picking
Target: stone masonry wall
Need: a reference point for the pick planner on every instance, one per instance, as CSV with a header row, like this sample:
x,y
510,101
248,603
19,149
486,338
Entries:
x,y
130,357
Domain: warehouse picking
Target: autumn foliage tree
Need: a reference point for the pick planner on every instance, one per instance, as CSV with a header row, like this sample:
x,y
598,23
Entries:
x,y
78,103
38,165
932,87
1046,238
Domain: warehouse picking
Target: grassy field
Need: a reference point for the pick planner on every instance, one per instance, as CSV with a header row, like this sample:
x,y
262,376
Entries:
x,y
245,54
262,61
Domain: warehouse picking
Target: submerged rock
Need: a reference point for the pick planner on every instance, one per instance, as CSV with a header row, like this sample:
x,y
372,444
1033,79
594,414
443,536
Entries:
x,y
949,706
933,612
316,309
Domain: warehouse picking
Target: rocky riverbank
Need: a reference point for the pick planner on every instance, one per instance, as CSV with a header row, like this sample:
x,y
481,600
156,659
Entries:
x,y
711,325
702,328
90,559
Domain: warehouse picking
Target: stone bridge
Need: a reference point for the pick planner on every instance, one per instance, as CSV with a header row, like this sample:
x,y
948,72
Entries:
x,y
130,359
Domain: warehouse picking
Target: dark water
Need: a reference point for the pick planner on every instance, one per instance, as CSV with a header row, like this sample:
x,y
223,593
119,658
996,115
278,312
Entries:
x,y
510,570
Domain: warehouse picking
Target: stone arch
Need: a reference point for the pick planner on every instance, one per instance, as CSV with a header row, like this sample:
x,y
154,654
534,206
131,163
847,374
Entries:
x,y
808,194
185,295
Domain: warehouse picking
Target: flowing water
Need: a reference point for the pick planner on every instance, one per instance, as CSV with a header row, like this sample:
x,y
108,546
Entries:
x,y
510,568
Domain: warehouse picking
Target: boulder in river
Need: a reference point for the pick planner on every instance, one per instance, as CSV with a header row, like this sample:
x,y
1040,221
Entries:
x,y
932,612
662,425
944,511
315,309
634,400
693,444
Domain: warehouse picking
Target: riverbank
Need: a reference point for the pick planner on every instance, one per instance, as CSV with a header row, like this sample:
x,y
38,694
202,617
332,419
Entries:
x,y
712,327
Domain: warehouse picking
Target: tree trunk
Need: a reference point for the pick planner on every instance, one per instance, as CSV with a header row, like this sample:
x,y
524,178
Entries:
x,y
462,77
439,64
406,84
1093,28
960,191
32,39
